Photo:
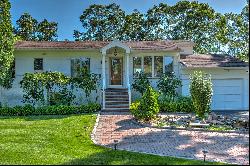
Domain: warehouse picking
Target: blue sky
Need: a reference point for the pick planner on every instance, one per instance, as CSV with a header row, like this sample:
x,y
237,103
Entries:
x,y
67,12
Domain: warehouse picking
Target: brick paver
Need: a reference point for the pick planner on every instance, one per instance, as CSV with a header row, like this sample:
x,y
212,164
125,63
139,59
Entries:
x,y
223,147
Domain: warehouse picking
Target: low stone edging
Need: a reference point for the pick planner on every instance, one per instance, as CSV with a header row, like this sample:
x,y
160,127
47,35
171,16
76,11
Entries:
x,y
94,129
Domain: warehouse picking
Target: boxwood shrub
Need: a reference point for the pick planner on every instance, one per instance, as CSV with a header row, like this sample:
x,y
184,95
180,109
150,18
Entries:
x,y
48,110
181,104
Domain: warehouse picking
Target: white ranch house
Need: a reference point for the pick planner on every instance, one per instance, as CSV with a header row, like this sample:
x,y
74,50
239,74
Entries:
x,y
118,64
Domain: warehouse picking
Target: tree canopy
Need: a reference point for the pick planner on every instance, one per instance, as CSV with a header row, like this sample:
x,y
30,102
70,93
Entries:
x,y
212,32
29,29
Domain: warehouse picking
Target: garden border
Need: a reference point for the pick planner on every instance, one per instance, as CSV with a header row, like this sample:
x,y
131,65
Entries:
x,y
190,129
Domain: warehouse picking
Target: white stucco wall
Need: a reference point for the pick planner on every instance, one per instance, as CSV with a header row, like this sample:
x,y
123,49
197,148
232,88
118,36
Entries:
x,y
58,60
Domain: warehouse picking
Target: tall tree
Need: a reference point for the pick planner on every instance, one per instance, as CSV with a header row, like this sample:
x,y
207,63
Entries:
x,y
6,44
47,31
158,22
26,27
192,21
102,22
133,28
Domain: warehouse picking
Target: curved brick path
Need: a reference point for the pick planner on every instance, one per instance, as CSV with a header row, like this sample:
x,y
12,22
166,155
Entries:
x,y
224,147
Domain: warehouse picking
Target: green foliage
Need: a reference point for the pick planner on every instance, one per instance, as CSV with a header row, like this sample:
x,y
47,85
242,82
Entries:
x,y
167,85
29,29
49,110
86,81
201,93
47,31
6,45
147,108
26,27
181,104
211,32
55,84
141,83
102,22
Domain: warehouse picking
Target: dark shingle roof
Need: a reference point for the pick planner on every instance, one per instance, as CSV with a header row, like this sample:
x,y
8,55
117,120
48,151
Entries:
x,y
136,45
211,60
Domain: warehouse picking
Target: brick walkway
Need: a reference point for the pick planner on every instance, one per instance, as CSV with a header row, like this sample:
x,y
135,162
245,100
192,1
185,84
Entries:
x,y
223,147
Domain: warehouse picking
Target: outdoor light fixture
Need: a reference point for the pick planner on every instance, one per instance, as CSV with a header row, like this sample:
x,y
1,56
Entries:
x,y
204,154
116,142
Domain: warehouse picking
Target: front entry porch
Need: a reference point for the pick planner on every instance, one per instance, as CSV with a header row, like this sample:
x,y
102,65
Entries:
x,y
116,93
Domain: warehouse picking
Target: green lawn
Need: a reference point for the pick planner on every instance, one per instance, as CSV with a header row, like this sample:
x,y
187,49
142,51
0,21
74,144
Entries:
x,y
63,140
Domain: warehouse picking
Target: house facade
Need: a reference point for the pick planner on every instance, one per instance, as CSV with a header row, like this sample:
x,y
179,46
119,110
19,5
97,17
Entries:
x,y
118,64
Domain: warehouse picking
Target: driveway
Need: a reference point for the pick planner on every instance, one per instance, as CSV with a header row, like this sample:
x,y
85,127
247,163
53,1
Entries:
x,y
222,147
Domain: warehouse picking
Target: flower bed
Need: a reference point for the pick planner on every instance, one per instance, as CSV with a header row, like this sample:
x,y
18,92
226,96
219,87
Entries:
x,y
214,122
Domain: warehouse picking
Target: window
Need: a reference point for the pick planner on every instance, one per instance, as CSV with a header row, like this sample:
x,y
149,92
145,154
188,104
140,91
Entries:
x,y
148,66
38,64
158,66
78,64
137,68
168,64
13,69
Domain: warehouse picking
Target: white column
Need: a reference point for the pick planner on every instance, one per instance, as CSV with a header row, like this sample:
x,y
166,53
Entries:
x,y
127,70
127,78
103,80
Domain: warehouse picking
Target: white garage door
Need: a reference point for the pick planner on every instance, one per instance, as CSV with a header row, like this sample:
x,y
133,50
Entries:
x,y
227,94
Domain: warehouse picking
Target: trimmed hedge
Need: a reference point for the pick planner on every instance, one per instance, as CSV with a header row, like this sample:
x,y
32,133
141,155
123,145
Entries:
x,y
49,110
181,104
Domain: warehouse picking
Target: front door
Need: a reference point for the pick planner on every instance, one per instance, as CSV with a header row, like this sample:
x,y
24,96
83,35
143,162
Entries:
x,y
115,71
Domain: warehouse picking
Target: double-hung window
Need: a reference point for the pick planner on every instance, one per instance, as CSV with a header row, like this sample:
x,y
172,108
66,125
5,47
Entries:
x,y
78,64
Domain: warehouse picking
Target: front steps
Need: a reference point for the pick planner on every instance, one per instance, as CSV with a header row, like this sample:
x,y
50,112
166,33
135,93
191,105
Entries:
x,y
116,100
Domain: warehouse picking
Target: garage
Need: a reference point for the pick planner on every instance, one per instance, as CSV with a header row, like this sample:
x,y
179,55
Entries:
x,y
227,94
230,78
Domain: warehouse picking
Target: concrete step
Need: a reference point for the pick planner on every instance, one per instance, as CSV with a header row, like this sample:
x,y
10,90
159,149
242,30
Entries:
x,y
116,93
116,99
116,90
116,110
117,106
116,102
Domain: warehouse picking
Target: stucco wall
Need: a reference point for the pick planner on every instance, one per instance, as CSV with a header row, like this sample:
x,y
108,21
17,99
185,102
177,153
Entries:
x,y
52,61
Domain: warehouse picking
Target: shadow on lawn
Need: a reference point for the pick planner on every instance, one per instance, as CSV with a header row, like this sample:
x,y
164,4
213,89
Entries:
x,y
42,117
121,157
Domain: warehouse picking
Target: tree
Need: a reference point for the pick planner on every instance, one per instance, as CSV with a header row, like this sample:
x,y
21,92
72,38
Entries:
x,y
47,31
102,22
6,44
29,29
158,22
26,27
133,28
201,92
192,21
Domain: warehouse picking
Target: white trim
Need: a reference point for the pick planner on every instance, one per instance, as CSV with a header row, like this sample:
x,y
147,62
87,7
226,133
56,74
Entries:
x,y
115,43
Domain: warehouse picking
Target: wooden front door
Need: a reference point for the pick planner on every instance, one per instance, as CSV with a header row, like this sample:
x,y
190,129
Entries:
x,y
116,71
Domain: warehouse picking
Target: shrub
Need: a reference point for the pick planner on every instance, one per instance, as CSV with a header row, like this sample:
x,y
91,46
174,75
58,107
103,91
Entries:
x,y
147,108
167,85
201,93
141,83
49,110
181,104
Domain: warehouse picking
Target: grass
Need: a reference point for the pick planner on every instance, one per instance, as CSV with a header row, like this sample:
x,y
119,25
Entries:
x,y
64,140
